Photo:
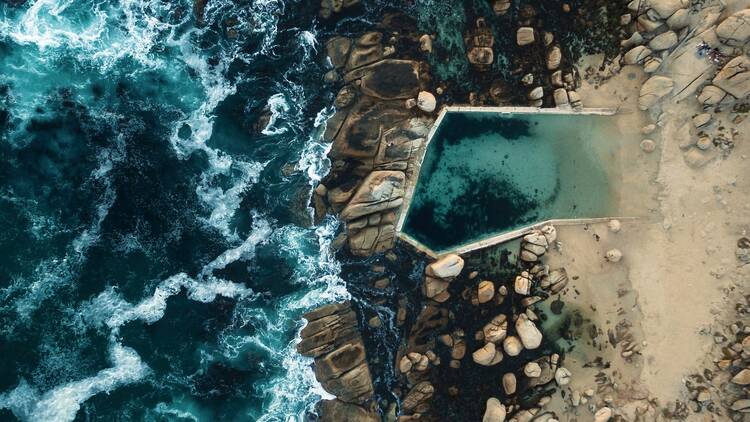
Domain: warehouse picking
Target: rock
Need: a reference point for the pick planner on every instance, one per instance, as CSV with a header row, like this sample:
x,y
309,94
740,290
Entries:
x,y
485,291
561,98
487,355
425,43
735,30
337,410
712,95
636,55
530,335
375,322
742,405
648,145
433,287
338,49
331,336
704,143
522,284
501,7
509,383
495,411
380,191
426,102
613,255
679,20
633,40
496,330
701,120
626,19
525,36
734,77
653,90
663,41
603,415
648,129
652,64
666,8
448,266
405,365
550,233
647,24
562,376
614,226
536,93
558,279
554,57
481,56
695,157
575,100
388,79
742,377
418,395
512,346
459,350
532,370
548,38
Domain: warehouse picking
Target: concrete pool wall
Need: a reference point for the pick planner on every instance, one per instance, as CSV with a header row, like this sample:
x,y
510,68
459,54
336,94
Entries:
x,y
506,236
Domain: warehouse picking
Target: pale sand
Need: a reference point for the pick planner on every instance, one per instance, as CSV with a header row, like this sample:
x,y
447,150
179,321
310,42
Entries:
x,y
679,272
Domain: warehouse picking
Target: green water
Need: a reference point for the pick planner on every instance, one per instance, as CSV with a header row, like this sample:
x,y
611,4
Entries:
x,y
486,174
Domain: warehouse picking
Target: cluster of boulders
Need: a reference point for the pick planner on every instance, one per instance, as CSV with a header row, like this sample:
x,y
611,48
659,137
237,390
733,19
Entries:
x,y
559,78
510,328
332,338
688,52
723,390
383,114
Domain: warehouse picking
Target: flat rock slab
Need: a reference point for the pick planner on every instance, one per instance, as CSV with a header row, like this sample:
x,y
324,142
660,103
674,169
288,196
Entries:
x,y
389,79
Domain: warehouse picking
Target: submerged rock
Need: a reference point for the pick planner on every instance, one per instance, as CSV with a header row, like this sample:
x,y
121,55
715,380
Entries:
x,y
509,383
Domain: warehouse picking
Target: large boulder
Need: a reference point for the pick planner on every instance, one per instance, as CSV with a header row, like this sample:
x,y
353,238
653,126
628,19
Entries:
x,y
494,411
734,77
447,267
636,55
735,30
380,191
530,335
666,8
525,36
496,330
655,88
663,41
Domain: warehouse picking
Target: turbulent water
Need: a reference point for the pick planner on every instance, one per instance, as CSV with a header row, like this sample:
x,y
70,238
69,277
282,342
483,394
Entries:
x,y
154,254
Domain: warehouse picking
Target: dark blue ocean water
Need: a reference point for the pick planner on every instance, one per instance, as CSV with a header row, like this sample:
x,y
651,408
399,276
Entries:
x,y
155,255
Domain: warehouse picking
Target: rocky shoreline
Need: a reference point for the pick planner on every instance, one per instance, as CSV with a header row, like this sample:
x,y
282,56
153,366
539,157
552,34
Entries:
x,y
470,341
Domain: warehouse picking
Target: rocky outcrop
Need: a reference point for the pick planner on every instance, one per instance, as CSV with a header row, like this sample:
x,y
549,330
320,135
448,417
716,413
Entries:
x,y
337,411
376,136
331,337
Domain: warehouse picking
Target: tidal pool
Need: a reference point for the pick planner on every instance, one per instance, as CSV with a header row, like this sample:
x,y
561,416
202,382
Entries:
x,y
486,174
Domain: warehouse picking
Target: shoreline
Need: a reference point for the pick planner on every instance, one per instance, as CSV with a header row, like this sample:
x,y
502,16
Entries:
x,y
626,278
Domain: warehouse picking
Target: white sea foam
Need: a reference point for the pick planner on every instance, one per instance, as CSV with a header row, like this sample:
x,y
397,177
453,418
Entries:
x,y
279,107
62,402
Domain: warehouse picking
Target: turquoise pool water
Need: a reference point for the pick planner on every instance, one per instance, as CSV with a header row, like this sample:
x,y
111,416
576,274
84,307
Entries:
x,y
485,174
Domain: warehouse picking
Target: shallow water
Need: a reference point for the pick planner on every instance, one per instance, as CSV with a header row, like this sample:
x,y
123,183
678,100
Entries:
x,y
486,174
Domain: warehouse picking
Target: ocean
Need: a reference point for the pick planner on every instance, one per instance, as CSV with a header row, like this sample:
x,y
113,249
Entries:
x,y
157,250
